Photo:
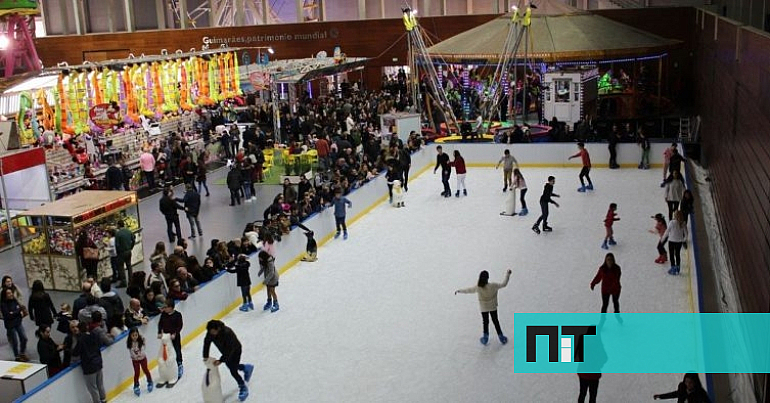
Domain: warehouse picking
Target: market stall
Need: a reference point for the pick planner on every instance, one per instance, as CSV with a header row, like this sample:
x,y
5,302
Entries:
x,y
23,184
49,250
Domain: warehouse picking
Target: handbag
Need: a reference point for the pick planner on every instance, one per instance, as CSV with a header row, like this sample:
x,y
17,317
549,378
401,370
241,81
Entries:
x,y
90,253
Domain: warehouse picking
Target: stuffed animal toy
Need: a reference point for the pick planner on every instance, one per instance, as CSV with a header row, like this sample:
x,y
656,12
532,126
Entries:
x,y
212,383
168,373
311,250
398,194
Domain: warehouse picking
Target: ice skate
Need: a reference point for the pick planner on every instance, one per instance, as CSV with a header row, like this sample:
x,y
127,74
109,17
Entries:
x,y
484,339
523,212
248,370
243,392
251,306
581,189
547,228
505,189
612,242
267,305
672,270
536,229
275,307
503,339
590,186
137,391
604,245
660,259
244,308
457,193
465,192
149,387
345,235
337,235
180,372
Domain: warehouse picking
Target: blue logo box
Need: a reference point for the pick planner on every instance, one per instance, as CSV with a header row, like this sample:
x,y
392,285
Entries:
x,y
641,343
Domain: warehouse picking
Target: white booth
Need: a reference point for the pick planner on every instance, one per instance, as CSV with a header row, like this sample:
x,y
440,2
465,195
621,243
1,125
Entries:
x,y
18,378
400,125
570,95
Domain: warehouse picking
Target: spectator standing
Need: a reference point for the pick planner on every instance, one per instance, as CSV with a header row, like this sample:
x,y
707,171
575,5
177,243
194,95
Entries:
x,y
87,346
48,350
147,163
114,176
112,304
88,253
171,322
124,247
40,306
134,316
13,312
609,276
169,207
644,144
200,177
192,206
234,184
613,140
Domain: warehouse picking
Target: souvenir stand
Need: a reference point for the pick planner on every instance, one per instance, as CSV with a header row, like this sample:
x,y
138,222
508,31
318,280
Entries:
x,y
49,252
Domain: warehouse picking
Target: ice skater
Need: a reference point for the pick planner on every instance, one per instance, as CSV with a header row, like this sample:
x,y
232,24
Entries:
x,y
660,229
609,276
442,160
508,162
487,293
240,267
393,175
611,217
521,184
135,343
459,164
267,266
339,203
545,198
676,233
689,390
230,348
586,170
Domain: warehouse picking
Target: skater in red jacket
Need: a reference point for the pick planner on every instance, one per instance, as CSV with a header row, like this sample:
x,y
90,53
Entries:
x,y
459,164
660,229
609,276
611,217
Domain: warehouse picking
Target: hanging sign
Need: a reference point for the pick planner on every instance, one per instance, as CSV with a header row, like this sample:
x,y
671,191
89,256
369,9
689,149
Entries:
x,y
104,115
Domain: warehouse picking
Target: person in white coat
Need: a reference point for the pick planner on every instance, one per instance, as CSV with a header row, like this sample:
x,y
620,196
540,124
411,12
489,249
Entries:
x,y
487,293
677,238
674,191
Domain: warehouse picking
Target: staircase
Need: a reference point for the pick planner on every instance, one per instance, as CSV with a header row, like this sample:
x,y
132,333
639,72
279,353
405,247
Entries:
x,y
685,132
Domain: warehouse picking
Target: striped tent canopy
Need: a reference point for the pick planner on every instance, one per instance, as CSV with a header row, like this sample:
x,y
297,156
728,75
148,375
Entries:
x,y
559,33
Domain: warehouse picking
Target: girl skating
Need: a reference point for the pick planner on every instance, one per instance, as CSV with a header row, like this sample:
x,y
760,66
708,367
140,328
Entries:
x,y
521,184
611,217
267,266
676,233
659,230
487,293
135,343
240,267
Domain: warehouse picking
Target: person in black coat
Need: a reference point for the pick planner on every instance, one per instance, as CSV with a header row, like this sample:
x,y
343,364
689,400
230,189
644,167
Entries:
x,y
234,184
690,390
545,199
114,176
404,162
41,309
88,347
12,314
228,345
192,207
169,207
240,267
274,209
49,351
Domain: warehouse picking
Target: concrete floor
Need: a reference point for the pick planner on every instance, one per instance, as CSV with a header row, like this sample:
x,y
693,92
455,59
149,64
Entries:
x,y
216,218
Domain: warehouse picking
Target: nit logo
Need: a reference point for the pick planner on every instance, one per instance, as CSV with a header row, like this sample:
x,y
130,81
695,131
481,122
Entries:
x,y
556,343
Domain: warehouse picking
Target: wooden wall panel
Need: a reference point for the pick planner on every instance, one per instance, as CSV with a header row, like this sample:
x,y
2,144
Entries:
x,y
370,38
732,100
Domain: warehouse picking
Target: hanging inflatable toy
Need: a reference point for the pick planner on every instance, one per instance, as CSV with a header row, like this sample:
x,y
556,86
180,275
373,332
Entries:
x,y
24,118
48,113
237,77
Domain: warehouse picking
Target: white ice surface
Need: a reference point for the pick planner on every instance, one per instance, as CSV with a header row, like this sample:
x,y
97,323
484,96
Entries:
x,y
376,320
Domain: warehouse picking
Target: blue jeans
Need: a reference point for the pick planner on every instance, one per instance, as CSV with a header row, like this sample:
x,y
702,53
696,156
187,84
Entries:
x,y
201,185
19,345
340,223
246,189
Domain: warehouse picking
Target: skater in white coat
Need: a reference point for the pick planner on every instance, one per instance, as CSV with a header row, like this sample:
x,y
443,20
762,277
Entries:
x,y
521,184
487,293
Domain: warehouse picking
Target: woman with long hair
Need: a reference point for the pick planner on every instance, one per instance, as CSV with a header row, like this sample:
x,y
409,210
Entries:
x,y
676,233
487,293
87,260
609,276
159,254
48,350
41,309
460,170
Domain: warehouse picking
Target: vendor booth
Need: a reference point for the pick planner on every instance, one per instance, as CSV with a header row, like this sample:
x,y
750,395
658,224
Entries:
x,y
400,125
49,251
568,94
23,185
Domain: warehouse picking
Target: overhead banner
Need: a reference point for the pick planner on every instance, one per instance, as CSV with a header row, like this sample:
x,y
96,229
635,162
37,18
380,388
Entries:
x,y
104,115
259,80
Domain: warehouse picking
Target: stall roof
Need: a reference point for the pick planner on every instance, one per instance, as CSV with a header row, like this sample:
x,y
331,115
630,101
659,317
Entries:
x,y
558,33
303,70
34,84
78,203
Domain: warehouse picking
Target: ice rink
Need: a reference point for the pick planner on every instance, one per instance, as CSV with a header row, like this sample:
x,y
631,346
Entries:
x,y
375,319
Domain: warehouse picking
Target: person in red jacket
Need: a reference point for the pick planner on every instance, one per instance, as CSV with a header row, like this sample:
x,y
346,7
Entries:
x,y
459,164
586,170
611,217
609,276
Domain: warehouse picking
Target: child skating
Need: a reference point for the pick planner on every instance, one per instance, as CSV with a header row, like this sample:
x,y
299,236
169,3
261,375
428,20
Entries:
x,y
339,203
521,184
676,233
240,267
230,349
660,229
135,343
611,217
487,293
586,170
545,199
267,266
